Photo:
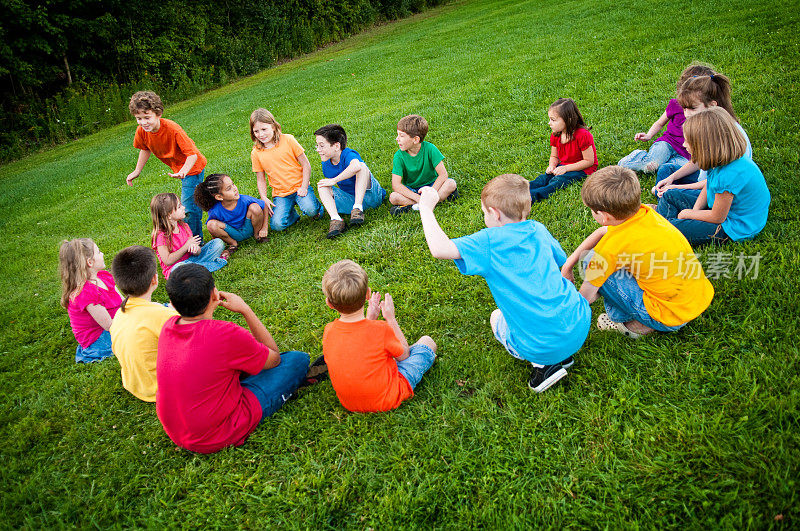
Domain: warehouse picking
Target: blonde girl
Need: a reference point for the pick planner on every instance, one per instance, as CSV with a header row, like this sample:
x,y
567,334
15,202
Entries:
x,y
278,158
88,293
172,238
734,200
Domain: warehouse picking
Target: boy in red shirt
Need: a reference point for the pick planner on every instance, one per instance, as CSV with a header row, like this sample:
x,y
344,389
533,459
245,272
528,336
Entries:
x,y
370,364
170,143
204,400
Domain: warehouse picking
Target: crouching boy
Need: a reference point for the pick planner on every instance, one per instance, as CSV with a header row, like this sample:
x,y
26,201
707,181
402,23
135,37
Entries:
x,y
370,364
204,400
644,268
541,318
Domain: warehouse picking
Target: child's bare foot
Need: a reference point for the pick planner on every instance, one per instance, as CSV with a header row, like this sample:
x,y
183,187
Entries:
x,y
638,328
263,236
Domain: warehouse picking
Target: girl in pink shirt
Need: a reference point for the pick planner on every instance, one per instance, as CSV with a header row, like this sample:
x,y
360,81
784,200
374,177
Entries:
x,y
89,295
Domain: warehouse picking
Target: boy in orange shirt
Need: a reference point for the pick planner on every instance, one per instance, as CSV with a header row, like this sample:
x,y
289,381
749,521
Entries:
x,y
370,364
170,143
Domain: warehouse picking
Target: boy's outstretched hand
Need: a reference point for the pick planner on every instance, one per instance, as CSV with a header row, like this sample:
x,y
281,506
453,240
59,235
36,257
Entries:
x,y
232,302
428,197
374,308
387,306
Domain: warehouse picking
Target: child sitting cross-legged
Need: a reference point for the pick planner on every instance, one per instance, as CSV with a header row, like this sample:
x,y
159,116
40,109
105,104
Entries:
x,y
371,366
541,318
216,380
644,268
137,325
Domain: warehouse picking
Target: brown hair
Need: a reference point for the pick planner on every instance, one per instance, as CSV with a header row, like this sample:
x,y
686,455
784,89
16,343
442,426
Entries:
x,y
265,117
568,111
73,266
696,68
146,100
413,125
161,206
707,89
614,190
345,286
510,194
713,138
205,191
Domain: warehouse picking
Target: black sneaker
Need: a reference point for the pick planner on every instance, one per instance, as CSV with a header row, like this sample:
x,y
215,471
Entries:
x,y
317,372
455,195
543,378
398,210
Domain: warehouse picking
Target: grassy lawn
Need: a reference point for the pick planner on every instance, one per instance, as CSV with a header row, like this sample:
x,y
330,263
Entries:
x,y
698,428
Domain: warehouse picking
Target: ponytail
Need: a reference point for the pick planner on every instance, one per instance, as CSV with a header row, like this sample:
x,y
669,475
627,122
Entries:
x,y
205,191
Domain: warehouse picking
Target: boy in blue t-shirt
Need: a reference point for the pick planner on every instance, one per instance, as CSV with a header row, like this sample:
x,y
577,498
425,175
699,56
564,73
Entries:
x,y
541,317
348,185
417,164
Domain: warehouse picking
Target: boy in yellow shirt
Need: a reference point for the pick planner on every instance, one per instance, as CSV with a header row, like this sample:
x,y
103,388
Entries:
x,y
644,268
137,324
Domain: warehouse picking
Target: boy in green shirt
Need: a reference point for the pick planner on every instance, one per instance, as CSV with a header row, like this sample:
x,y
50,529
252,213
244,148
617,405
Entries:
x,y
416,164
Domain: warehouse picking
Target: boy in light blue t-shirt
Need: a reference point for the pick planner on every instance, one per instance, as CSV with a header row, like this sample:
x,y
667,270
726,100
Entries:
x,y
348,186
541,317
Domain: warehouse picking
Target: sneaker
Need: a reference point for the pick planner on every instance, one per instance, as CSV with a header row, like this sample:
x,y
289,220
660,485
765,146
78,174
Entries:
x,y
543,378
356,216
455,195
397,210
336,228
317,372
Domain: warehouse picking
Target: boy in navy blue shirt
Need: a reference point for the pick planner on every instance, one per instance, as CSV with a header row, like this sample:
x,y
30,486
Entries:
x,y
348,185
541,317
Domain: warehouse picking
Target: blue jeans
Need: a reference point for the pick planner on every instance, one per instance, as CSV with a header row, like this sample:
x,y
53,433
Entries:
x,y
240,234
665,170
274,386
97,351
624,301
373,197
209,256
660,153
284,215
697,232
194,215
420,359
545,184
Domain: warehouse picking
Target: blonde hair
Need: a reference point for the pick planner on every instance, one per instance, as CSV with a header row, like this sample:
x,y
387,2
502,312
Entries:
x,y
614,190
73,266
265,117
510,194
413,125
161,206
345,286
713,138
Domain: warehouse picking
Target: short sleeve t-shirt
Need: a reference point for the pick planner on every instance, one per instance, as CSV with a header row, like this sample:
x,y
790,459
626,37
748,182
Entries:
x,y
200,400
85,328
279,162
751,197
419,170
548,319
184,233
661,260
134,341
360,358
330,170
236,217
572,151
674,133
171,145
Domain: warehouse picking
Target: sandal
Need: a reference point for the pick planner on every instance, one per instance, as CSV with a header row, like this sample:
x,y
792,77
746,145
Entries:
x,y
262,239
226,254
604,322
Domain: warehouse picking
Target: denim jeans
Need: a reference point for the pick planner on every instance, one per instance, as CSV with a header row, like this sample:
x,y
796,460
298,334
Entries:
x,y
420,359
194,215
373,197
209,256
545,184
667,169
660,153
274,386
97,351
697,232
284,215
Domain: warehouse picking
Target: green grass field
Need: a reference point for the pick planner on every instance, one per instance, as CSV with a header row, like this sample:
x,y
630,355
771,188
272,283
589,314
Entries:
x,y
695,429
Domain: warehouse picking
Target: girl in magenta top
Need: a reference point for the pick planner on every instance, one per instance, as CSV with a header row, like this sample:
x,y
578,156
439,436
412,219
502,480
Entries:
x,y
89,295
668,148
572,152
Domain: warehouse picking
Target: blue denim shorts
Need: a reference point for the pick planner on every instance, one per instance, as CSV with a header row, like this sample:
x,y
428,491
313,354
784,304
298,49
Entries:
x,y
420,359
97,351
373,197
240,234
501,332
